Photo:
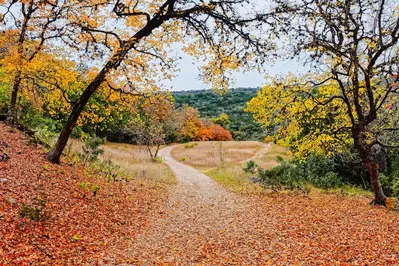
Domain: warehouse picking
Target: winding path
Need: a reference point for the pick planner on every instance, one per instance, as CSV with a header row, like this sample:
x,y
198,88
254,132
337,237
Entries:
x,y
200,216
204,224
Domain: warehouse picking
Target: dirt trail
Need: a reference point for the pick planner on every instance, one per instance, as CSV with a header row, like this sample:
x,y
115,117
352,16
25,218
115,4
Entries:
x,y
199,215
265,149
204,224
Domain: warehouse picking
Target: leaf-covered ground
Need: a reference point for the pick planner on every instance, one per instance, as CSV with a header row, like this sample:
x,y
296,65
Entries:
x,y
77,227
199,223
204,224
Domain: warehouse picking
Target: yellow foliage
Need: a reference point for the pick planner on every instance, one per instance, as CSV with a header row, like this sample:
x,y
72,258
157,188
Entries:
x,y
307,117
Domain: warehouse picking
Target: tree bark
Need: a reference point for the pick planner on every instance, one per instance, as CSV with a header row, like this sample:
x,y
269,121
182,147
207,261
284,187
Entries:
x,y
379,196
12,112
372,167
55,154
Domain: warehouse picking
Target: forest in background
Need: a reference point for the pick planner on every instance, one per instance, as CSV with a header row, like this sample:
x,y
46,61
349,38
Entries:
x,y
212,105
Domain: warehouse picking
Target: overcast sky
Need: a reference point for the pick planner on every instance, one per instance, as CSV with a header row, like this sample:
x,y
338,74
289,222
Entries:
x,y
188,77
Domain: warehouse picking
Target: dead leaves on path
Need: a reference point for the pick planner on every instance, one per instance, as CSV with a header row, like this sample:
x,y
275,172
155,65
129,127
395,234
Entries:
x,y
75,227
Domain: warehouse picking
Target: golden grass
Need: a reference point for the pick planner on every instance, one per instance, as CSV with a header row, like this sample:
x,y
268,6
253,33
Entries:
x,y
231,174
133,160
206,155
268,160
234,178
136,162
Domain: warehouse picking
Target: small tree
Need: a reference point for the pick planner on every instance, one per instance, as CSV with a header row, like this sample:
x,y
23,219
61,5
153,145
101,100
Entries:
x,y
27,26
355,43
154,124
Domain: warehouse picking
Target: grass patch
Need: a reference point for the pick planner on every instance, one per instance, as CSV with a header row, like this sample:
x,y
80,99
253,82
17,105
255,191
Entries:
x,y
234,179
268,159
233,176
136,162
345,190
209,155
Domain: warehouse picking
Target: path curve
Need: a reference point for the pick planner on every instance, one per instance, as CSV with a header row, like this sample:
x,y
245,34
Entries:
x,y
200,215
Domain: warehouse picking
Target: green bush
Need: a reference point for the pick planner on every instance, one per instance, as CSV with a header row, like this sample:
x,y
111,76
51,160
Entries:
x,y
5,93
316,170
390,178
320,171
91,149
287,175
251,167
35,211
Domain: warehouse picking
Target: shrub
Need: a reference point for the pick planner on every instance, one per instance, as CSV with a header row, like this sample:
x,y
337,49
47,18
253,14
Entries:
x,y
284,176
4,97
320,171
35,211
390,178
190,145
86,187
110,171
91,149
251,167
316,170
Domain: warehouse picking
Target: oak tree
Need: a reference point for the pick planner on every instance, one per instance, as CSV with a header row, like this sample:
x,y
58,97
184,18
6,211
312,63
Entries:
x,y
26,27
135,39
353,46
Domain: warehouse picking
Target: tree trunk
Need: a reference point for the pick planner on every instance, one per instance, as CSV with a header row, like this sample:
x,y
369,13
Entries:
x,y
12,112
156,152
149,151
379,196
373,169
55,154
113,63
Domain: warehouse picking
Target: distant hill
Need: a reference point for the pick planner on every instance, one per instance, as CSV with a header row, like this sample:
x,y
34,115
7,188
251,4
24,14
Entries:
x,y
211,104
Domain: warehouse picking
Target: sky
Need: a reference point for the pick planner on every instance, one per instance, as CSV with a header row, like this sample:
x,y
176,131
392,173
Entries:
x,y
188,76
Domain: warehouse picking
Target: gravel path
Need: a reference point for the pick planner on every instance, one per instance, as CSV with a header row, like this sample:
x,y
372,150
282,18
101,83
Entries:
x,y
204,224
199,215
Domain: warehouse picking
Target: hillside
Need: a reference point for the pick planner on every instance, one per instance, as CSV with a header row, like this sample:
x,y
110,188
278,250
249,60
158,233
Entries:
x,y
242,126
65,214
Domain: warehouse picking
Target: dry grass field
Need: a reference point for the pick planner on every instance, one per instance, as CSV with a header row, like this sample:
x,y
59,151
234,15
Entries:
x,y
136,162
205,156
209,155
133,160
268,159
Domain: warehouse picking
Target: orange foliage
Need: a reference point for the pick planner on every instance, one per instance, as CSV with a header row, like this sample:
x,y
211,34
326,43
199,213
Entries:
x,y
213,132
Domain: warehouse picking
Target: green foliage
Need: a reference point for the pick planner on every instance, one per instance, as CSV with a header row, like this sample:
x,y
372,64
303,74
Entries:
x,y
251,167
84,186
320,171
110,171
390,179
158,159
287,175
76,237
190,145
87,186
213,106
4,97
35,211
316,170
91,149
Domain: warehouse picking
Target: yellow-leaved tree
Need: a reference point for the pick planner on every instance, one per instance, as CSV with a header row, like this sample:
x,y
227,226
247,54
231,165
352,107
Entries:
x,y
25,28
353,46
307,116
131,42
